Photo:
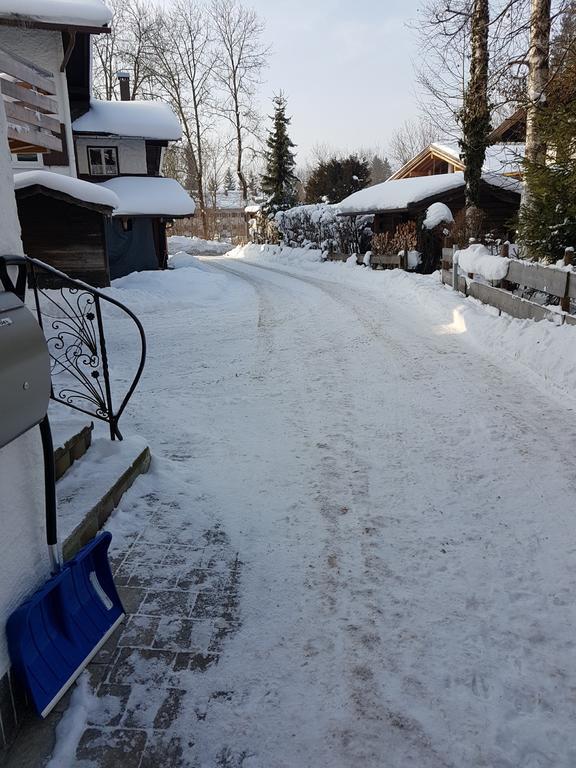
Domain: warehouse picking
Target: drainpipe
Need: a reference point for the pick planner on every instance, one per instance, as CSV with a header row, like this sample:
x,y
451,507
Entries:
x,y
68,124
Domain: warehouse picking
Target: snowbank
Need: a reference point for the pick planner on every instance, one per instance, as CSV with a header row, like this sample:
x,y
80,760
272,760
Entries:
x,y
278,254
196,246
147,119
437,213
477,260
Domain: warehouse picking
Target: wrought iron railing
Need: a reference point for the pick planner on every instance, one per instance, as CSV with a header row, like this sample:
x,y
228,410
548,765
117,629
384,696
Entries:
x,y
73,322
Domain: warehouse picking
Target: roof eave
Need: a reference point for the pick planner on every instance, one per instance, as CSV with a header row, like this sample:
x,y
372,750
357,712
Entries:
x,y
40,189
28,23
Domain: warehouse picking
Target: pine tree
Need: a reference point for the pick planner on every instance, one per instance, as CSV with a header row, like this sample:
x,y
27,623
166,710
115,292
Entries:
x,y
335,179
229,185
380,170
279,181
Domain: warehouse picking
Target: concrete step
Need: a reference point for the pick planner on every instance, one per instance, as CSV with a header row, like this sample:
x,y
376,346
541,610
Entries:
x,y
91,489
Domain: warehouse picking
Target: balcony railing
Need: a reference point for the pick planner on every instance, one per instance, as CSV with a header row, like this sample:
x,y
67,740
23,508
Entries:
x,y
28,92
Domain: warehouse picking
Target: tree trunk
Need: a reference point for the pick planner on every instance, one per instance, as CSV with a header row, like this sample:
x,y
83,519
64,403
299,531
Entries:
x,y
475,116
239,151
538,74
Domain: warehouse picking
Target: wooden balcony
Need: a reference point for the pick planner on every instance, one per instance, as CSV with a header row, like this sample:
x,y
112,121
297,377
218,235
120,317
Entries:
x,y
29,94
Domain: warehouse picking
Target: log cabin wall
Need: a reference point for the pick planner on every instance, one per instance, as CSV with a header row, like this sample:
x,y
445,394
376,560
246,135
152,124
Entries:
x,y
66,236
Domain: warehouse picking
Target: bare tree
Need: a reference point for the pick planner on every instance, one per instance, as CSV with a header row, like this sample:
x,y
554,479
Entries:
x,y
215,153
240,57
445,30
184,68
411,138
127,47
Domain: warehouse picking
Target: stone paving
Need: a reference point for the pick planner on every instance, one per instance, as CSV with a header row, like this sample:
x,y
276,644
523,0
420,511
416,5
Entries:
x,y
180,593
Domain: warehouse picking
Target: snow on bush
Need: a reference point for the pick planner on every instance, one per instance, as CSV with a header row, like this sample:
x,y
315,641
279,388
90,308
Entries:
x,y
477,260
437,213
414,258
196,246
320,226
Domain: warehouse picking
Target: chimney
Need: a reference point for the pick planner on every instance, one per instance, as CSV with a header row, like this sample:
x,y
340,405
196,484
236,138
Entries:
x,y
124,80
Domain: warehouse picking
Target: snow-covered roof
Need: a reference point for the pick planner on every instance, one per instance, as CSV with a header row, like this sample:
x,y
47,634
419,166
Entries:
x,y
500,158
76,13
399,194
145,119
80,190
149,196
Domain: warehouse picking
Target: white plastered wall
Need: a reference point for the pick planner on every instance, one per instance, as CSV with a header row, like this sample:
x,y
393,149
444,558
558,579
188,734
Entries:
x,y
131,153
24,561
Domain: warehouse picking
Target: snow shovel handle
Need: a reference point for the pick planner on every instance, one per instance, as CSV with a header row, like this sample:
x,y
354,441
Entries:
x,y
50,494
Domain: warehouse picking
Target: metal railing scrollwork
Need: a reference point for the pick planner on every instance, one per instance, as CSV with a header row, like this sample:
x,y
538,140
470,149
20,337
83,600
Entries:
x,y
72,320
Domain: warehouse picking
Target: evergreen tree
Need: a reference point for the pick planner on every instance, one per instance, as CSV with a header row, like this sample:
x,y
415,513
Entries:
x,y
335,179
548,216
279,181
229,185
380,170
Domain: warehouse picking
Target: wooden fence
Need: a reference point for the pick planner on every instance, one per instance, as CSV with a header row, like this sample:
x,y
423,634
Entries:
x,y
520,275
377,261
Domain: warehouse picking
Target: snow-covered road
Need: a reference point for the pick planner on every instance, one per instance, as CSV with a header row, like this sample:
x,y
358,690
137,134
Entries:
x,y
403,508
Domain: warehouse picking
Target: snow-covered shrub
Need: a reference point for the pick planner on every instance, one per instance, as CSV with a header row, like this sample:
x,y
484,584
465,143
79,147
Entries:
x,y
320,226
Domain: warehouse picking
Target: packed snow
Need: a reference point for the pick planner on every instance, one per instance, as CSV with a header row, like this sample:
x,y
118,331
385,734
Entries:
x,y
437,213
146,119
196,246
76,188
149,196
402,515
79,13
477,260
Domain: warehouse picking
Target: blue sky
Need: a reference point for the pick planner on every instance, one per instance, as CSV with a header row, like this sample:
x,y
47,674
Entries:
x,y
345,67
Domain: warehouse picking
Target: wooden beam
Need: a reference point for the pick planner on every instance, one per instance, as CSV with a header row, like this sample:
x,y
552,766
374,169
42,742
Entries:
x,y
16,67
35,138
25,95
15,111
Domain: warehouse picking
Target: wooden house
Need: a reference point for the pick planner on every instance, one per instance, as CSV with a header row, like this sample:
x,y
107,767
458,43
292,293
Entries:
x,y
119,146
398,201
504,157
45,81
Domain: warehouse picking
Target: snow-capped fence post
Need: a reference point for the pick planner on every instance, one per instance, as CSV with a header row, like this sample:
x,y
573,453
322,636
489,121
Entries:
x,y
455,270
565,300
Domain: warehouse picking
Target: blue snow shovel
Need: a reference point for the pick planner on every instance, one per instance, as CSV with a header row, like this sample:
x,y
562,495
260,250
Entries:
x,y
56,632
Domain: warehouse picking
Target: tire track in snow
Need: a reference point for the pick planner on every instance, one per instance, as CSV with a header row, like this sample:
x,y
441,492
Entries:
x,y
342,494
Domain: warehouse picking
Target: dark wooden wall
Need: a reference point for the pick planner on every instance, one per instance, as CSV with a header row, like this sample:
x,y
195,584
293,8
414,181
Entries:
x,y
68,237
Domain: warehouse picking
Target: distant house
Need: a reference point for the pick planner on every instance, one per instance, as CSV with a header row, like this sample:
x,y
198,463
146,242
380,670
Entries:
x,y
45,82
444,157
119,146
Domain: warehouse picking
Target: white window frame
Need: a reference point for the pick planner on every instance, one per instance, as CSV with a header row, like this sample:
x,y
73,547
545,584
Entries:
x,y
101,169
